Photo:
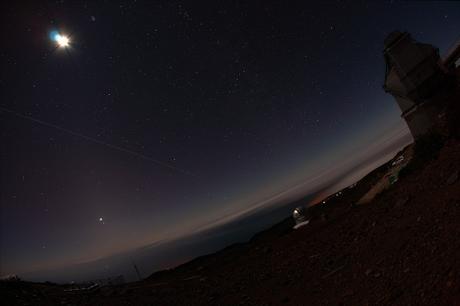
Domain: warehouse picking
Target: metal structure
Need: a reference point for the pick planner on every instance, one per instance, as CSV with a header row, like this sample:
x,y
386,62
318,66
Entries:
x,y
300,215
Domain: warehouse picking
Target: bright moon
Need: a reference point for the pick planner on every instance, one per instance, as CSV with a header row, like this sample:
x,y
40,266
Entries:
x,y
63,41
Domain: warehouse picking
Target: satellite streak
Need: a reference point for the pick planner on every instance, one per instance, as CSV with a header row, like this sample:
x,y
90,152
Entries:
x,y
139,155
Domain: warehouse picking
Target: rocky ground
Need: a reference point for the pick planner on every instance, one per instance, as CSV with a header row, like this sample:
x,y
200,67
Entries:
x,y
403,248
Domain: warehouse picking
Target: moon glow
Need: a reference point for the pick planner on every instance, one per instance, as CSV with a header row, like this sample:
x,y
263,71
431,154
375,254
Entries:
x,y
61,40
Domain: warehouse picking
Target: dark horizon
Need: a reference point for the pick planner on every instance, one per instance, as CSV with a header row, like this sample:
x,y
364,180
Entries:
x,y
203,241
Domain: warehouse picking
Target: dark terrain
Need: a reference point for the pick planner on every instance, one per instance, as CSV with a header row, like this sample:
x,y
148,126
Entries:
x,y
400,249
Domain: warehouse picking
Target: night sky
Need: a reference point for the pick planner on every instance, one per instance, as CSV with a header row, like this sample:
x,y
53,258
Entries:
x,y
161,118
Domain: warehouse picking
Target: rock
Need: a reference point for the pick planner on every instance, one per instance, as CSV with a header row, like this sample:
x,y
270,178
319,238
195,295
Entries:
x,y
401,202
267,250
285,300
453,178
349,292
285,282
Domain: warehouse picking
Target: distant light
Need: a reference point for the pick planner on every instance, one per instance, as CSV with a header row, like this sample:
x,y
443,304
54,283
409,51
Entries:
x,y
101,219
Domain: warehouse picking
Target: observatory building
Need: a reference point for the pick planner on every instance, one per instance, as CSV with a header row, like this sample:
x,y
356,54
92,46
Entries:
x,y
301,217
417,78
